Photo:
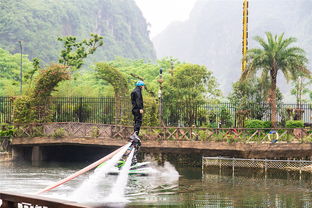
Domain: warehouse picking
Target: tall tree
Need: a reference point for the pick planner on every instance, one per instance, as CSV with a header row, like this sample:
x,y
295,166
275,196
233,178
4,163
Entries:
x,y
300,89
275,55
189,87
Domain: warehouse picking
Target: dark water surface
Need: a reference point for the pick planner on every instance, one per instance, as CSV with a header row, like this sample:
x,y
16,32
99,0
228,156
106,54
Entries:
x,y
193,188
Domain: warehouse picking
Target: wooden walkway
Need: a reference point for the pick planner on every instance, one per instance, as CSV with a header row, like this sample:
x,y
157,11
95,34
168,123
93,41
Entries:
x,y
88,130
185,140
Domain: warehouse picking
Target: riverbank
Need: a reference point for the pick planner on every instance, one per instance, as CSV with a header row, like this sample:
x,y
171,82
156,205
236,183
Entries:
x,y
5,156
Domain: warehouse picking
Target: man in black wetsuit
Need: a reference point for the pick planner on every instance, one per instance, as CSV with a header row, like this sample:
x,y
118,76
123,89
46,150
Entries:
x,y
137,107
137,112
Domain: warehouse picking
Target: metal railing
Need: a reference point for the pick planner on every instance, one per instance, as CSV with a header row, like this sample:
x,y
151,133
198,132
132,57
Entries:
x,y
103,110
294,165
230,135
6,109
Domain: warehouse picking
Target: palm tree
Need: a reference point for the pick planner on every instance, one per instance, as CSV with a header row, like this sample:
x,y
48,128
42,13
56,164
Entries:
x,y
276,55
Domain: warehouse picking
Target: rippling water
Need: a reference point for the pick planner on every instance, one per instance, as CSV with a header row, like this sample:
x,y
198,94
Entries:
x,y
192,188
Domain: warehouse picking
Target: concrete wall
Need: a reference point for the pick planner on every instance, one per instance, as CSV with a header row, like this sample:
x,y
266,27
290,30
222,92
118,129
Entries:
x,y
178,152
5,156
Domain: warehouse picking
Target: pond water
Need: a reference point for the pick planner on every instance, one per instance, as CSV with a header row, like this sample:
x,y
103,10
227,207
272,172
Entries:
x,y
168,186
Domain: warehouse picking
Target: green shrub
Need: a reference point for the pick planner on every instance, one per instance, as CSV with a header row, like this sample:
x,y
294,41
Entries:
x,y
225,118
35,106
150,117
254,124
95,132
212,125
294,124
267,124
59,133
7,131
82,112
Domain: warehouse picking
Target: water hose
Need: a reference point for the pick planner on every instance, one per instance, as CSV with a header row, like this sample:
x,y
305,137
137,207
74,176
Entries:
x,y
74,175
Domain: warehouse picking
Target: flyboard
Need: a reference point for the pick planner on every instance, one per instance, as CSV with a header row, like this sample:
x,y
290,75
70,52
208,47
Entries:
x,y
138,169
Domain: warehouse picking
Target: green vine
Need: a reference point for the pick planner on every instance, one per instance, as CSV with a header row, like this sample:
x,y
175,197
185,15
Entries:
x,y
113,76
35,107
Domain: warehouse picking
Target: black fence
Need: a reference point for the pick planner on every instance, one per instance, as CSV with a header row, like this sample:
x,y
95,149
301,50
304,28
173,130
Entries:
x,y
6,109
229,114
104,110
83,109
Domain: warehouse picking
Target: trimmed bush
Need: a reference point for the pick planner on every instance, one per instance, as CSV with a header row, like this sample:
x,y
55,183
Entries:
x,y
254,124
257,124
267,124
294,124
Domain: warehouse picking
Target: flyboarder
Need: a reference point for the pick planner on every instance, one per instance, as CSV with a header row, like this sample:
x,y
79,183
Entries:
x,y
137,108
137,112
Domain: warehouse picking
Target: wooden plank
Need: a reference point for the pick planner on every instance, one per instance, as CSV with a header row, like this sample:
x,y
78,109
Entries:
x,y
11,198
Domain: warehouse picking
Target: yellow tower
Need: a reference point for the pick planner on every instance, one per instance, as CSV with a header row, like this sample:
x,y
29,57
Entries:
x,y
245,33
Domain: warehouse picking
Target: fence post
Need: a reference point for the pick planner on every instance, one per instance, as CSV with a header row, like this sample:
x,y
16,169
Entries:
x,y
233,166
300,171
219,162
80,119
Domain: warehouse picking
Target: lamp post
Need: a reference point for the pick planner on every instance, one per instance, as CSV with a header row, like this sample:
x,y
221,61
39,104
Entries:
x,y
160,81
21,70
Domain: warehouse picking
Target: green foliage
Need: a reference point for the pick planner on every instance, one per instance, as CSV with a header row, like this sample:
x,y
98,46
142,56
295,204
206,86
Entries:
x,y
191,82
75,52
226,119
58,133
82,112
274,56
191,85
83,84
300,89
48,79
95,132
139,70
88,83
294,124
7,130
23,110
267,124
257,124
251,96
38,24
30,74
35,107
113,76
150,117
10,72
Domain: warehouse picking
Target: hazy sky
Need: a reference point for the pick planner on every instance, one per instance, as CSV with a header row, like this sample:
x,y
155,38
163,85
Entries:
x,y
160,13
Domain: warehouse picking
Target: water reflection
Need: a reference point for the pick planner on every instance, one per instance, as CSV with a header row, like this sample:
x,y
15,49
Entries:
x,y
193,187
257,188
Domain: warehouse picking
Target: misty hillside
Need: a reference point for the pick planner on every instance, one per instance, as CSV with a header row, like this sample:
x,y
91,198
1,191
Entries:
x,y
213,33
38,23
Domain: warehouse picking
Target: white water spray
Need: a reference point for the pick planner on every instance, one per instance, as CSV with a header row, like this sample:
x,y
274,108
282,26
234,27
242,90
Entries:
x,y
118,190
88,188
